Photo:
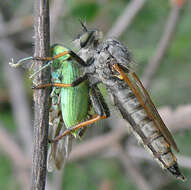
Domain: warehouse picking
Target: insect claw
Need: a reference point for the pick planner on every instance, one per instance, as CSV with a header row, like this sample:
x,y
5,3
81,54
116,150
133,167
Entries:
x,y
51,141
20,62
11,63
35,87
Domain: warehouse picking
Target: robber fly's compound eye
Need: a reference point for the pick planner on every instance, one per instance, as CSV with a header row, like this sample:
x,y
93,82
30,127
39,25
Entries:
x,y
86,38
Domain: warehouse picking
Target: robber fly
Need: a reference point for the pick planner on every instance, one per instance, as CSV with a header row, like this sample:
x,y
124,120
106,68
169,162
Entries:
x,y
110,62
113,66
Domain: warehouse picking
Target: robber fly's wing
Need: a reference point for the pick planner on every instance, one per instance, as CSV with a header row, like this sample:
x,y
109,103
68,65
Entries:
x,y
58,152
124,63
150,108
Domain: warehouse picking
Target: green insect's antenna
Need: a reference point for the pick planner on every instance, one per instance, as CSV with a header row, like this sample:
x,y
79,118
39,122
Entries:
x,y
20,62
83,25
48,64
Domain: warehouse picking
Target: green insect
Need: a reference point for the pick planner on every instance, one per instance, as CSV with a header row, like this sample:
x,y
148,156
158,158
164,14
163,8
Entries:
x,y
58,152
72,97
69,104
74,100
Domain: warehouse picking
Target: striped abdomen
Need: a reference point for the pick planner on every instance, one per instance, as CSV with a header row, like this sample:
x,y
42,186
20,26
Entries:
x,y
145,129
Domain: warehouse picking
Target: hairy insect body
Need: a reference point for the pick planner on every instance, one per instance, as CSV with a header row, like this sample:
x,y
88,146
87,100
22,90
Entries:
x,y
132,100
144,128
143,117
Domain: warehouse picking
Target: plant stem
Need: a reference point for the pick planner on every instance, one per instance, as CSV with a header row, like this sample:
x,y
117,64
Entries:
x,y
41,96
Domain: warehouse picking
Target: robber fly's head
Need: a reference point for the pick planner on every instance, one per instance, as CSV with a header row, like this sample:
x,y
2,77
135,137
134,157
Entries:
x,y
88,38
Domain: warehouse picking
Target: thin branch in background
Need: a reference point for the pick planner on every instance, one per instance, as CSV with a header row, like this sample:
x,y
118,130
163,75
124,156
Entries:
x,y
140,153
41,96
16,155
57,8
20,105
164,42
177,119
124,21
98,144
132,170
16,25
79,152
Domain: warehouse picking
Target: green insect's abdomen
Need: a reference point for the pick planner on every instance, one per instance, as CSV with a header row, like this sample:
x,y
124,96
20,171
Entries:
x,y
74,100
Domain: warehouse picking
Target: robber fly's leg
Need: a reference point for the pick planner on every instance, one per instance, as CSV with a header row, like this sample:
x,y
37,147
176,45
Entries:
x,y
98,103
61,85
100,108
76,57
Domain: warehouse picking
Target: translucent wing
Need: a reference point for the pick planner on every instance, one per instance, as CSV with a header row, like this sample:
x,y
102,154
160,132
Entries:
x,y
142,95
58,152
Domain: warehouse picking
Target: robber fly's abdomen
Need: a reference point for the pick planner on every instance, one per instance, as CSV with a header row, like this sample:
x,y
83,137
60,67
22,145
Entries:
x,y
143,127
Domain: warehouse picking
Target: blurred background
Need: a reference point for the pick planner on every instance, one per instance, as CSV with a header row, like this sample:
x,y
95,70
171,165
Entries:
x,y
158,33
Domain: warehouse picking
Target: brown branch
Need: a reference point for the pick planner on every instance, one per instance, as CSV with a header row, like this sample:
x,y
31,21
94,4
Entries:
x,y
124,21
178,119
140,153
41,115
12,149
164,42
17,92
132,170
97,144
16,25
16,155
57,8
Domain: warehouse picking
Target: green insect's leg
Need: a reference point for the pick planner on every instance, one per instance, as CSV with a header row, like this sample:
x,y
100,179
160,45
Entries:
x,y
61,85
100,108
20,62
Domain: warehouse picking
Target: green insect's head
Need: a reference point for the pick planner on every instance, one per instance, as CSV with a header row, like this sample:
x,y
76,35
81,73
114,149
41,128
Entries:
x,y
88,38
57,49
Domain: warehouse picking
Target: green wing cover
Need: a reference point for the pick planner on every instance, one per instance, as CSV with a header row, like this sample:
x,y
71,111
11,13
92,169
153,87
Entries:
x,y
74,100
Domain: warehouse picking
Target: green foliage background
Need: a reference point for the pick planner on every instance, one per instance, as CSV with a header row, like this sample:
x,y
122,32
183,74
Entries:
x,y
171,85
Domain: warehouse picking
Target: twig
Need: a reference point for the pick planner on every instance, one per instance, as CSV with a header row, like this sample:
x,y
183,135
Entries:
x,y
16,25
126,18
16,155
178,119
95,145
140,153
169,30
17,93
132,170
57,7
12,149
79,152
41,120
